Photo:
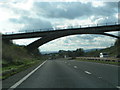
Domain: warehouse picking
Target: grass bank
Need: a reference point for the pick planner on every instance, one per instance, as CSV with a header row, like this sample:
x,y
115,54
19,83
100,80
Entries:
x,y
17,58
13,69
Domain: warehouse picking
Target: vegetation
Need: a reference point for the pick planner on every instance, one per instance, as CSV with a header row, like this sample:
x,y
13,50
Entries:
x,y
16,58
113,51
76,53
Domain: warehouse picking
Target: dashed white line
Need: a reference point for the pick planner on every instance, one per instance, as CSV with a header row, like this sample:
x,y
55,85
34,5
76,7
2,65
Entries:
x,y
75,66
88,72
118,87
72,60
23,79
99,77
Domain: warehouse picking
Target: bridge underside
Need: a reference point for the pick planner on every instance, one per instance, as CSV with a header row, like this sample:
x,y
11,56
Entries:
x,y
51,37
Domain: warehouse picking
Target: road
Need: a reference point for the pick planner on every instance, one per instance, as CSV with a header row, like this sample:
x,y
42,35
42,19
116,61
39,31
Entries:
x,y
72,74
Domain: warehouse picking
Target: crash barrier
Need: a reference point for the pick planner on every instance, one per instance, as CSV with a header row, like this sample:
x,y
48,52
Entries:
x,y
107,59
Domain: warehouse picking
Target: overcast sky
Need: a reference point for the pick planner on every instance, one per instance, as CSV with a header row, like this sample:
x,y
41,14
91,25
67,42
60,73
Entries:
x,y
21,15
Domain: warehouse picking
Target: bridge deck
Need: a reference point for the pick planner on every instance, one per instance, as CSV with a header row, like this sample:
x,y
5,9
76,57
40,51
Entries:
x,y
80,30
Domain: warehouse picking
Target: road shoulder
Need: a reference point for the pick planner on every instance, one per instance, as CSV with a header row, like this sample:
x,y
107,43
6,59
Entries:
x,y
7,83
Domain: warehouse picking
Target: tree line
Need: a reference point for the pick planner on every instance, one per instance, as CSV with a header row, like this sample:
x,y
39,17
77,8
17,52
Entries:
x,y
75,53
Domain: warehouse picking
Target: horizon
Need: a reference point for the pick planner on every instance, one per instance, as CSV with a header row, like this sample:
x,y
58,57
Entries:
x,y
85,50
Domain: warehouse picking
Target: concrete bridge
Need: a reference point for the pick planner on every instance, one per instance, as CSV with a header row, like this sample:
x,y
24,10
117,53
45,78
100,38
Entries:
x,y
51,34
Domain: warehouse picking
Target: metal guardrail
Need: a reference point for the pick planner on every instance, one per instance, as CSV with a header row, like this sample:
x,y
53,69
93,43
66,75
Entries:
x,y
61,28
109,59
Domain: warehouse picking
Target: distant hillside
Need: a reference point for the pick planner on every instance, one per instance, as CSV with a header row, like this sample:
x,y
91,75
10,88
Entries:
x,y
48,52
89,50
113,51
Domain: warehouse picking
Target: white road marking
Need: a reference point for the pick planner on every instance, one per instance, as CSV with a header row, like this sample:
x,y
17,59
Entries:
x,y
88,72
72,60
23,79
75,66
99,77
118,87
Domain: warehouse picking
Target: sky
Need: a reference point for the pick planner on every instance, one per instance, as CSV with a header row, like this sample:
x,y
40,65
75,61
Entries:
x,y
22,15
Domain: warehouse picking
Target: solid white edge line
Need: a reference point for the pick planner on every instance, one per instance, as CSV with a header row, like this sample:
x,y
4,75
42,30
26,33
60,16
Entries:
x,y
88,72
24,78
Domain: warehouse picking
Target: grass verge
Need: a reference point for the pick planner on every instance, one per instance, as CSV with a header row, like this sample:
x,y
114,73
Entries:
x,y
13,69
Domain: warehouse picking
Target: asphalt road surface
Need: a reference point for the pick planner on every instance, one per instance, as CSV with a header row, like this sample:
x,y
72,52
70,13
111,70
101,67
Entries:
x,y
72,74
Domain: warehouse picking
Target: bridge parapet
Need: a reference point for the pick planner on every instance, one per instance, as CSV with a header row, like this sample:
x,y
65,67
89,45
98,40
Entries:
x,y
109,59
62,28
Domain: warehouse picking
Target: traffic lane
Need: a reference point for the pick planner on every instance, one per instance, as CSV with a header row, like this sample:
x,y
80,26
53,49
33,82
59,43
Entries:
x,y
51,75
89,75
109,73
56,74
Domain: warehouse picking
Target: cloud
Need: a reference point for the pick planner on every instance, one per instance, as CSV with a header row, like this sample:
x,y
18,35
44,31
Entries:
x,y
68,10
35,14
29,14
78,41
72,10
25,41
31,23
